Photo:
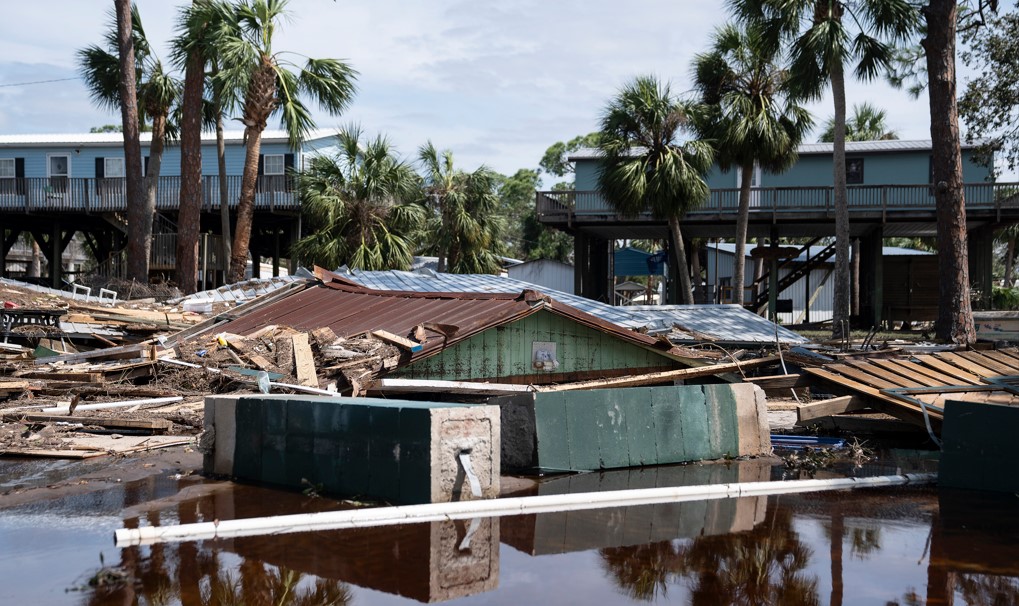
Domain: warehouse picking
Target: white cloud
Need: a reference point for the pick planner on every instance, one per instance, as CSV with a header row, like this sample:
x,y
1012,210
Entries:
x,y
497,82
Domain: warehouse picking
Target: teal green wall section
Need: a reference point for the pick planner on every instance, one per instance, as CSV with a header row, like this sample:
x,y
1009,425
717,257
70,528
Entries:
x,y
505,351
610,428
979,447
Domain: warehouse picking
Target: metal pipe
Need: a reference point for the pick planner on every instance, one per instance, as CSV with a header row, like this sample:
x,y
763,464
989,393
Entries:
x,y
460,510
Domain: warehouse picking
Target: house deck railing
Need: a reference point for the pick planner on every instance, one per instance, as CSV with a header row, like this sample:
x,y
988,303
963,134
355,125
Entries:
x,y
88,195
554,205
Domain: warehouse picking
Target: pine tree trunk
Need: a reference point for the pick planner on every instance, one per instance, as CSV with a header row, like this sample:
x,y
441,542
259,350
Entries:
x,y
139,224
742,219
840,305
679,250
152,178
190,216
955,315
245,205
695,269
35,267
1009,263
855,293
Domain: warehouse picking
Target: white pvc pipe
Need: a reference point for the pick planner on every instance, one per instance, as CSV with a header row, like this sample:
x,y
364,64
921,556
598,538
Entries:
x,y
123,404
461,510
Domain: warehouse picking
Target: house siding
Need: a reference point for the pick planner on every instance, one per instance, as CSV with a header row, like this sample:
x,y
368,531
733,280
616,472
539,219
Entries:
x,y
505,352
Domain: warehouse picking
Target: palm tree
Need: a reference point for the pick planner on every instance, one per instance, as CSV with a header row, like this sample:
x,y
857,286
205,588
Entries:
x,y
750,118
361,202
464,225
251,64
154,91
646,166
866,124
823,38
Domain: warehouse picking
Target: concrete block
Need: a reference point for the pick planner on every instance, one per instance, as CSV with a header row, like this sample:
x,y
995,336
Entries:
x,y
392,450
978,449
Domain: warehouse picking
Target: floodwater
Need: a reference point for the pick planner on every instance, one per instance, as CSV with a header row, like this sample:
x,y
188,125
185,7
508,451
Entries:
x,y
903,546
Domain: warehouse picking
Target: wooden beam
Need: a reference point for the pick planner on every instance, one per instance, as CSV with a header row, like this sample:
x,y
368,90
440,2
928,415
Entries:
x,y
411,346
827,408
304,362
108,422
144,349
661,377
780,381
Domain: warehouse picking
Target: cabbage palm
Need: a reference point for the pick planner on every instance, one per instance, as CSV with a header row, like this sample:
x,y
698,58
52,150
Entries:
x,y
867,123
749,117
823,38
464,225
271,87
646,166
361,202
157,92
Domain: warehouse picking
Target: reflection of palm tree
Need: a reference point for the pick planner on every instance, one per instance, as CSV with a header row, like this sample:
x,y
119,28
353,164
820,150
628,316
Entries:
x,y
761,567
642,571
988,589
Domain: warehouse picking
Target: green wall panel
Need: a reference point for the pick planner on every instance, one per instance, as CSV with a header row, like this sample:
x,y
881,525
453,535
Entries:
x,y
505,351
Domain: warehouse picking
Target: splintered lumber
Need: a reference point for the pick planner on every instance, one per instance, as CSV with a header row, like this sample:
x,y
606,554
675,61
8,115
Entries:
x,y
661,377
896,407
324,336
86,447
397,340
244,346
780,381
77,377
450,387
143,403
121,352
9,387
827,408
304,361
154,425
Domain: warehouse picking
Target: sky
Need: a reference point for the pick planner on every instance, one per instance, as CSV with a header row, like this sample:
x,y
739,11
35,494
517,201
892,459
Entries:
x,y
495,82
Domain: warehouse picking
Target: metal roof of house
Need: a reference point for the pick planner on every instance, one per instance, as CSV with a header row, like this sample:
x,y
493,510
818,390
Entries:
x,y
116,139
350,309
806,149
723,323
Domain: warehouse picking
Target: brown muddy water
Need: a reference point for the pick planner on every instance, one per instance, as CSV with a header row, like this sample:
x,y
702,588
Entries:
x,y
904,546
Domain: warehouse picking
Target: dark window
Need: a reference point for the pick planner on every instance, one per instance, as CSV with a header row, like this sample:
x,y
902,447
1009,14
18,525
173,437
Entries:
x,y
854,171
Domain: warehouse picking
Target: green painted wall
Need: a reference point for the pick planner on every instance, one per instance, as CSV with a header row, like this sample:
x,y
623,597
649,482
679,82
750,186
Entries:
x,y
505,351
610,428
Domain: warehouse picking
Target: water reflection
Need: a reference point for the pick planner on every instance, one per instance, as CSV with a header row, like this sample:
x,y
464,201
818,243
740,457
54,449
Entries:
x,y
897,547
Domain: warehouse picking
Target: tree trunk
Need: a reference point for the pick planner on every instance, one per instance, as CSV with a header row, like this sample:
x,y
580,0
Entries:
x,y
138,224
224,185
1009,263
152,178
35,267
758,270
245,205
838,533
955,314
840,305
679,250
742,219
695,269
190,217
855,292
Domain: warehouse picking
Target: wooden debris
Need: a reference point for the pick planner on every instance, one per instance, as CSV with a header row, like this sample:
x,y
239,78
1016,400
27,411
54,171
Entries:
x,y
154,425
324,337
827,408
411,346
304,362
145,349
87,447
661,377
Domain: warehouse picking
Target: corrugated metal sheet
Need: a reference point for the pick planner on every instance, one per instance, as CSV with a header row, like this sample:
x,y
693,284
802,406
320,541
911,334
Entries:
x,y
655,318
349,309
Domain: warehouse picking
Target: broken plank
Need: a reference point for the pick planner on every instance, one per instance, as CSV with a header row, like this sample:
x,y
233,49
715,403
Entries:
x,y
108,422
663,376
450,387
934,375
388,337
861,376
304,361
967,364
79,377
963,376
827,408
983,360
145,349
780,381
324,336
909,374
884,373
1002,357
84,447
887,404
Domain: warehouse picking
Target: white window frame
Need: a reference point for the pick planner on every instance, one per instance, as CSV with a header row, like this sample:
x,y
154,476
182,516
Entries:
x,y
49,165
282,164
755,180
107,171
13,171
